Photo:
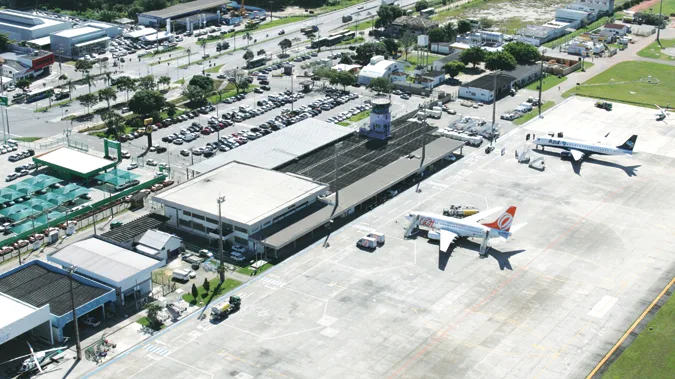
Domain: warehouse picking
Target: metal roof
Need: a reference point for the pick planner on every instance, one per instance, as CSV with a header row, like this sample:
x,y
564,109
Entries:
x,y
251,193
280,147
103,259
155,239
73,161
127,232
185,8
37,285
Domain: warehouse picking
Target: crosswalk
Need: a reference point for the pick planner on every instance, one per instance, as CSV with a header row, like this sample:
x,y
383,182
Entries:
x,y
273,282
156,350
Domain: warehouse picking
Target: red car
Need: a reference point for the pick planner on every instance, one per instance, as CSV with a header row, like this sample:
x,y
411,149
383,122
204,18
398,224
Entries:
x,y
206,131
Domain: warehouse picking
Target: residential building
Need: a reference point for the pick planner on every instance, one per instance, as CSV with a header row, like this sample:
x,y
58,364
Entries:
x,y
24,26
439,63
415,25
618,30
378,68
78,42
431,79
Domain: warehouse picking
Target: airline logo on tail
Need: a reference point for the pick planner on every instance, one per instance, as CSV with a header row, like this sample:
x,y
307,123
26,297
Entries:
x,y
503,223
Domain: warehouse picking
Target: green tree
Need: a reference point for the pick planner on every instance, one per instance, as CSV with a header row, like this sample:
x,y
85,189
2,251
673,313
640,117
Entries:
x,y
170,109
407,41
153,5
450,31
147,82
473,55
83,66
500,60
164,81
391,45
523,52
453,68
437,35
195,95
203,82
260,52
248,55
107,94
486,23
285,44
324,73
88,80
346,59
114,122
368,50
421,5
22,84
463,26
206,285
126,84
153,310
5,41
343,78
386,15
381,85
238,78
145,102
88,100
194,291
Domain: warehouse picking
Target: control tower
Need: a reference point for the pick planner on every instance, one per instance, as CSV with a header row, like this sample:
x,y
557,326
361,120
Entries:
x,y
380,120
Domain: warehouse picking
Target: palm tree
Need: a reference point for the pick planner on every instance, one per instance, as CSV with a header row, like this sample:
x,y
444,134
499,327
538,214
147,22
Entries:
x,y
89,81
188,51
107,94
126,84
164,80
71,87
153,312
108,77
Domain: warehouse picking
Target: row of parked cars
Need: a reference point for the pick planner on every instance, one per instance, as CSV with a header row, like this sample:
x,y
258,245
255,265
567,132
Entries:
x,y
21,155
350,113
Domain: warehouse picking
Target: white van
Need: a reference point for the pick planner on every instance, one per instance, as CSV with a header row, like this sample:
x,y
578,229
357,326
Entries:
x,y
181,275
367,242
377,236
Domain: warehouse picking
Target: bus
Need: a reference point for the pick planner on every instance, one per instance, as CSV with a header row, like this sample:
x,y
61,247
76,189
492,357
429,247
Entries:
x,y
427,12
321,42
340,33
39,95
256,62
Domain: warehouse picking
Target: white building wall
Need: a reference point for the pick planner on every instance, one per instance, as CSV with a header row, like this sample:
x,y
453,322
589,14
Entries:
x,y
477,94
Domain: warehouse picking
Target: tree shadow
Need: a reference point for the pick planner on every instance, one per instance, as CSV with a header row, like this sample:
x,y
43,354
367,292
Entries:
x,y
473,70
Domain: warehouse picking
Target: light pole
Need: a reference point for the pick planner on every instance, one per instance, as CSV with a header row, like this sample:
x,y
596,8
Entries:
x,y
71,270
221,269
494,106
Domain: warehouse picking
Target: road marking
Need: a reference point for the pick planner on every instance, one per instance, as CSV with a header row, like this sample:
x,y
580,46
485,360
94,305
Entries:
x,y
156,350
605,304
630,330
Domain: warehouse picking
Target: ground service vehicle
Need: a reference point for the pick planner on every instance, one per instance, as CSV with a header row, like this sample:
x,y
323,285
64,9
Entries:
x,y
377,236
219,312
603,105
460,211
181,275
367,243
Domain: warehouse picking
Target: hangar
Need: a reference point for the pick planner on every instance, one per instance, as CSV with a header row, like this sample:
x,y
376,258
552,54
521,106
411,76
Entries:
x,y
36,298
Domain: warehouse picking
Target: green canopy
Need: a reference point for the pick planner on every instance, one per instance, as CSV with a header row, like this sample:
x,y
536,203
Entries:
x,y
7,194
39,204
52,198
41,181
39,222
23,188
13,209
117,177
70,191
23,214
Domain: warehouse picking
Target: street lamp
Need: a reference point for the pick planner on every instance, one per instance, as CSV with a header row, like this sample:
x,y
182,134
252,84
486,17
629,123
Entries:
x,y
221,269
71,270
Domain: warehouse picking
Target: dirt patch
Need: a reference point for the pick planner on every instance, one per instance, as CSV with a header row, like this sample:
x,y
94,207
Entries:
x,y
290,11
527,11
645,5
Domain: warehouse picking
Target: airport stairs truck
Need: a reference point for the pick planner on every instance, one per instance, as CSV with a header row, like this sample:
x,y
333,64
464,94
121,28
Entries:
x,y
221,311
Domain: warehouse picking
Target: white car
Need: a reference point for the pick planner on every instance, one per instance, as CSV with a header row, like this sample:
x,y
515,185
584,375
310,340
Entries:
x,y
236,256
151,162
205,253
239,248
91,321
132,166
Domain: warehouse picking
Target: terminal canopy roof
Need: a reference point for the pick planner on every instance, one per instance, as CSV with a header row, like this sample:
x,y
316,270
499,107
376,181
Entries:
x,y
117,177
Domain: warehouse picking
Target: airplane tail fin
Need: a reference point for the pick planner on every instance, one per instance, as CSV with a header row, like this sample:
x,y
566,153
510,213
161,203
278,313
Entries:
x,y
503,222
629,144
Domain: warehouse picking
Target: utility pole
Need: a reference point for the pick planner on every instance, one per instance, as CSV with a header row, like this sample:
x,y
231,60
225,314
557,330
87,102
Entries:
x,y
494,106
658,27
71,270
541,81
221,268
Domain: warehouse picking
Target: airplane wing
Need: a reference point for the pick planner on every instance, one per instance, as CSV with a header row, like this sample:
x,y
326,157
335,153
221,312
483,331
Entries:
x,y
577,155
482,214
446,239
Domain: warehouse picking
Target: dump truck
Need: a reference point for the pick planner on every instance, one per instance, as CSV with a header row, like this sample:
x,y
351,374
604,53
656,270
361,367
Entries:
x,y
221,311
604,105
460,211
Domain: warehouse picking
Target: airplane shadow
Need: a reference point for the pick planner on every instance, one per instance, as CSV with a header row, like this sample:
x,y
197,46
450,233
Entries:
x,y
576,166
502,257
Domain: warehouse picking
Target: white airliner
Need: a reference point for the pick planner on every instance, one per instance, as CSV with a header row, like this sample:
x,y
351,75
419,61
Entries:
x,y
579,149
447,229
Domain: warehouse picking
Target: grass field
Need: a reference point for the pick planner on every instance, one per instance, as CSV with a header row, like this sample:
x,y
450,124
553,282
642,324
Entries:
x,y
588,65
27,139
214,69
653,51
362,26
652,354
534,113
622,83
204,295
549,82
360,116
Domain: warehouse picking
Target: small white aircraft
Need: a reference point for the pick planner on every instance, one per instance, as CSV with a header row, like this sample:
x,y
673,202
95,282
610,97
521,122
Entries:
x,y
447,229
579,149
37,361
662,114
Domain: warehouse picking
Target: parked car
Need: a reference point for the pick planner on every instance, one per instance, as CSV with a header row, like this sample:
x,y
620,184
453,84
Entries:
x,y
151,162
91,321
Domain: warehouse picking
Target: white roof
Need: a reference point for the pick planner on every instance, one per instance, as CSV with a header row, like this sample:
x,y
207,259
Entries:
x,y
70,33
251,193
345,67
140,33
155,239
155,36
74,160
93,41
24,20
13,310
376,70
103,259
280,147
147,250
44,41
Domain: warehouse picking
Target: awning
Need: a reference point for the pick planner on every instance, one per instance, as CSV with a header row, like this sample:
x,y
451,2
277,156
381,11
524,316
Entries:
x,y
98,40
116,177
41,181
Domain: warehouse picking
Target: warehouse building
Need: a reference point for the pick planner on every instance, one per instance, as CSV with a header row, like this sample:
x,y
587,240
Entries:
x,y
177,12
23,26
159,245
482,88
78,42
128,272
379,68
255,198
36,298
